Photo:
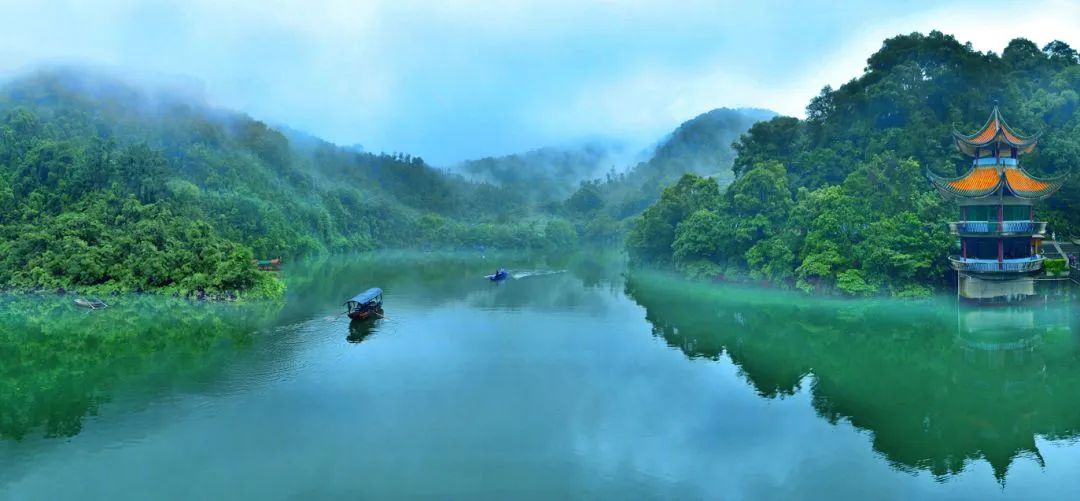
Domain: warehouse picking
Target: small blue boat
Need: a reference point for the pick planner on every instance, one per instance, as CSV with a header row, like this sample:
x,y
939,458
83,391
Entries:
x,y
365,304
499,275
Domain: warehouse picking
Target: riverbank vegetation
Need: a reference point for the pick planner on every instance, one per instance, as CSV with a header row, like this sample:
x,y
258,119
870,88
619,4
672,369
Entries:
x,y
839,202
107,187
110,187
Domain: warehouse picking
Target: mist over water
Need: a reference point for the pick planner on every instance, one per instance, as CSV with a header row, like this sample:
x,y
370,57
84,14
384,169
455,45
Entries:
x,y
573,378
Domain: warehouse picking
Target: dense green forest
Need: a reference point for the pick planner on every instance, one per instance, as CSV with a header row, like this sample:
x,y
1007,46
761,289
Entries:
x,y
603,208
119,187
111,186
839,201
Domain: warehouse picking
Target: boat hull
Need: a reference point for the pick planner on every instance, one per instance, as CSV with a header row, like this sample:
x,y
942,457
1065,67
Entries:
x,y
365,314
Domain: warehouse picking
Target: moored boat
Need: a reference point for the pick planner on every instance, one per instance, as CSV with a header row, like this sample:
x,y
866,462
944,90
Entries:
x,y
268,264
365,305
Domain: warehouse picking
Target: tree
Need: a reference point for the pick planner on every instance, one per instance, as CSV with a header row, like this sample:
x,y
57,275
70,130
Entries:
x,y
652,235
700,237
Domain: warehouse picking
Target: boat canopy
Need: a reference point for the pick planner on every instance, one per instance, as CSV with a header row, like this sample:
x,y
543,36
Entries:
x,y
366,296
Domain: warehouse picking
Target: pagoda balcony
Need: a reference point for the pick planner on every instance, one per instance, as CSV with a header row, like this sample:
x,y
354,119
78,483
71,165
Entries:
x,y
995,228
992,266
996,161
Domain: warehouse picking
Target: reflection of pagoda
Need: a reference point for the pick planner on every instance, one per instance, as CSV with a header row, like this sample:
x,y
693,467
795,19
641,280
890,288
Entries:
x,y
999,237
937,388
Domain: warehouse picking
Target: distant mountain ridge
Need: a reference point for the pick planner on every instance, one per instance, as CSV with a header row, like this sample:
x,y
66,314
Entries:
x,y
550,174
701,145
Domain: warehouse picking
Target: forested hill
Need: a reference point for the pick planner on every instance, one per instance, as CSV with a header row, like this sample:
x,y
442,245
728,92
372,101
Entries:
x,y
701,145
549,175
628,180
106,184
840,201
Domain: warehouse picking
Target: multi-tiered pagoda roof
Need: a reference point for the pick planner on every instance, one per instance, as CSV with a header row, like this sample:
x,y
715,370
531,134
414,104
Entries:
x,y
996,147
994,133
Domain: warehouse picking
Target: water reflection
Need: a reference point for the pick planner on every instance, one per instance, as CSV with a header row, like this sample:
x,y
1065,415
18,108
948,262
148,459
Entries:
x,y
59,364
937,385
359,330
434,279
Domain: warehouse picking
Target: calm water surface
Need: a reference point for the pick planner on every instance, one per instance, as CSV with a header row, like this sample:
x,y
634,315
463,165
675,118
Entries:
x,y
569,380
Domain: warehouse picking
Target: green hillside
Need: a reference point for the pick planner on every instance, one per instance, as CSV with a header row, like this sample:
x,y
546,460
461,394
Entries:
x,y
701,145
110,185
840,201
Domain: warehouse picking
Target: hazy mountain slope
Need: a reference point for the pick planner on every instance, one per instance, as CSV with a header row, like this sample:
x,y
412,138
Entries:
x,y
549,174
106,183
701,145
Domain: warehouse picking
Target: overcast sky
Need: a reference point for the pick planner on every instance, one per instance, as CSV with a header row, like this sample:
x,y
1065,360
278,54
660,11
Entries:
x,y
461,79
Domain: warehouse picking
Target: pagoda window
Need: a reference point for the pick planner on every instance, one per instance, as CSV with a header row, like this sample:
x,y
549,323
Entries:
x,y
982,213
1016,248
981,248
1017,213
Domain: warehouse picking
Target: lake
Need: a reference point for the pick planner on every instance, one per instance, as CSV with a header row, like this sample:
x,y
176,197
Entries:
x,y
571,379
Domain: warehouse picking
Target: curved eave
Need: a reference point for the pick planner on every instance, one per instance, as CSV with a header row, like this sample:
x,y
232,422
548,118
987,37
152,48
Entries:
x,y
945,187
967,146
1053,184
995,130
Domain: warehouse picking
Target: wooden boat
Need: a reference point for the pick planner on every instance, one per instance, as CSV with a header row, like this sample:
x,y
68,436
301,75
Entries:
x,y
500,274
365,305
93,304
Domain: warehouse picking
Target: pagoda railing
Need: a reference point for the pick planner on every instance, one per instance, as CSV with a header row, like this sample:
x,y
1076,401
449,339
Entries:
x,y
1022,265
997,228
995,161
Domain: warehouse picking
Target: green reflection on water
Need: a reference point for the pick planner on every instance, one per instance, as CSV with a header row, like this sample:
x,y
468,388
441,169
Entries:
x,y
60,363
936,384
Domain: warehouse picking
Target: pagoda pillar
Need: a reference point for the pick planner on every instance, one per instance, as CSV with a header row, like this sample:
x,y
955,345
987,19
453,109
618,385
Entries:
x,y
1001,253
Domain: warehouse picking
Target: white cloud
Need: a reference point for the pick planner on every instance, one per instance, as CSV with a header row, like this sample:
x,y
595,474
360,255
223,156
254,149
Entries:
x,y
469,78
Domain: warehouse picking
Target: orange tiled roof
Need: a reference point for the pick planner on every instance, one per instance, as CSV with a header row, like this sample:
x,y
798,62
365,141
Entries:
x,y
1012,137
995,128
992,128
1020,181
980,179
988,132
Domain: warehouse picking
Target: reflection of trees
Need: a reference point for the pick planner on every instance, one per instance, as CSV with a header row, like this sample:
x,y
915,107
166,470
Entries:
x,y
434,279
58,363
934,389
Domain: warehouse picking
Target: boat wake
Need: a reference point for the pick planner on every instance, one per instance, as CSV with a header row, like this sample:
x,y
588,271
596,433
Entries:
x,y
535,273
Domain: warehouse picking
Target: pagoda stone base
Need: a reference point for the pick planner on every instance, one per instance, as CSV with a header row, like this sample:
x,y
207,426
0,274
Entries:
x,y
1016,290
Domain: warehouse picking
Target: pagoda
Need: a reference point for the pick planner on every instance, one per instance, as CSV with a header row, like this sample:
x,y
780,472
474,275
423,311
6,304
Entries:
x,y
999,236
